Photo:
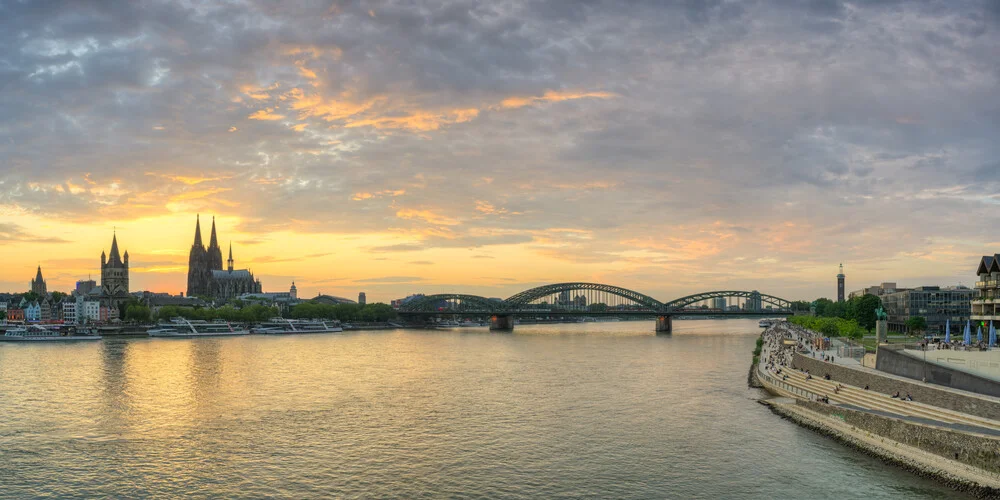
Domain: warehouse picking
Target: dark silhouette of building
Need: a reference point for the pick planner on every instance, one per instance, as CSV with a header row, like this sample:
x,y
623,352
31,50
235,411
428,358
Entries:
x,y
114,275
206,278
840,284
362,299
38,284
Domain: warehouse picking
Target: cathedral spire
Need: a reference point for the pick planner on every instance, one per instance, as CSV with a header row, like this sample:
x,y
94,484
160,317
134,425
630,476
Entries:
x,y
230,256
214,241
38,277
197,232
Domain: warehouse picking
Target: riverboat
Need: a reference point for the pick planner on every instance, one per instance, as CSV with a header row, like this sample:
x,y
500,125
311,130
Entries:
x,y
183,328
37,333
279,326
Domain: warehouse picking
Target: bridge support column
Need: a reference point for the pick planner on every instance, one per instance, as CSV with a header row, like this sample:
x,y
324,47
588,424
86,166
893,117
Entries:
x,y
664,324
502,322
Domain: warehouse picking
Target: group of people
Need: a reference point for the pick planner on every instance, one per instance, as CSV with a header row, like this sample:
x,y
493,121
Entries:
x,y
906,398
777,354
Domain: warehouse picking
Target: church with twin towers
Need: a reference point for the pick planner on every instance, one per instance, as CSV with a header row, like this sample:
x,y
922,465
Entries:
x,y
206,276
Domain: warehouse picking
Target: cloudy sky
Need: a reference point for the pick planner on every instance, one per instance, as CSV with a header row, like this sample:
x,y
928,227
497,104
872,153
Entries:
x,y
486,147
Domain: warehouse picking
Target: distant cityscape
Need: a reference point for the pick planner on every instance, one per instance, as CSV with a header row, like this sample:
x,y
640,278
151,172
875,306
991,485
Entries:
x,y
211,284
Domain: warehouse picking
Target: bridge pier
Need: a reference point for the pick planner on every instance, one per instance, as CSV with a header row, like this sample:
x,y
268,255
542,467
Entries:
x,y
664,324
502,322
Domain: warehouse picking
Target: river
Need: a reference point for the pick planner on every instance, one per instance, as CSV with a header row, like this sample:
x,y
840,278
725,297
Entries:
x,y
605,410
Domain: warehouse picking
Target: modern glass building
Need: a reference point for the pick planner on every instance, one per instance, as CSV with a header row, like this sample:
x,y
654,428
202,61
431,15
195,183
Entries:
x,y
935,304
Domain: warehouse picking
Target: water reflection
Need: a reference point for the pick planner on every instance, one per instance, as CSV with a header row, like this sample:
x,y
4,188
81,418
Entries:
x,y
592,410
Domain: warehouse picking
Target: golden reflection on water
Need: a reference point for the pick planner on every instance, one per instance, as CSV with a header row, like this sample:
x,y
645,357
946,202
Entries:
x,y
599,410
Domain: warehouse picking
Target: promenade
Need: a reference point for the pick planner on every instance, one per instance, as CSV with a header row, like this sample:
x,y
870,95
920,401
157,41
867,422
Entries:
x,y
913,433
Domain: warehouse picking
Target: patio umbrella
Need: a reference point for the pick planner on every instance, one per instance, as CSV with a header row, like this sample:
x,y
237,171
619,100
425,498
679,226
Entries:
x,y
947,331
967,337
993,335
979,336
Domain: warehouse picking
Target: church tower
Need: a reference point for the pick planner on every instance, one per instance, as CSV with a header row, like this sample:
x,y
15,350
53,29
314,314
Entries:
x,y
840,284
114,274
230,261
198,265
38,284
214,251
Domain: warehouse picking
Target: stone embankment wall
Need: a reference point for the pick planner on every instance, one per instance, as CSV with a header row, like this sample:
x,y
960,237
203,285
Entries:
x,y
890,360
951,400
971,449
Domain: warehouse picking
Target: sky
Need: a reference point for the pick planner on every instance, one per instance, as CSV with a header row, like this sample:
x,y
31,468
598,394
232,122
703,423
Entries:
x,y
489,147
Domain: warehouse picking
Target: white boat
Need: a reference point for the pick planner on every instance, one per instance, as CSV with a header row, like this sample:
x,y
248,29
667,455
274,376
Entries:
x,y
447,324
37,333
183,328
279,326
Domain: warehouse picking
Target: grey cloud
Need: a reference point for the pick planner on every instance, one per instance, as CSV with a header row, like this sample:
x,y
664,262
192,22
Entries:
x,y
723,112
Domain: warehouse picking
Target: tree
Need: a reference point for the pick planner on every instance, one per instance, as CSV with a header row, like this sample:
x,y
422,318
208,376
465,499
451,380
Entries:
x,y
800,305
916,324
862,309
821,305
137,313
58,296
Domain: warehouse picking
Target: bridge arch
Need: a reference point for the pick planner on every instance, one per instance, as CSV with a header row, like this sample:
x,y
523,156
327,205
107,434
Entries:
x,y
526,297
456,303
765,299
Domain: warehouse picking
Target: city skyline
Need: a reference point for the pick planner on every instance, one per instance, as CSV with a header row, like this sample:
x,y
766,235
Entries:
x,y
374,148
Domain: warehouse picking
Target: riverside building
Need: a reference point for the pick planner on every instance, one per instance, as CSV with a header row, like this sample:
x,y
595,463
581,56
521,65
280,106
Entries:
x,y
935,304
986,304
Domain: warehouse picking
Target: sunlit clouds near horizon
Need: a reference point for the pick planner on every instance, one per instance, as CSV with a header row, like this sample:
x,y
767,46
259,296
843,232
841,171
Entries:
x,y
486,147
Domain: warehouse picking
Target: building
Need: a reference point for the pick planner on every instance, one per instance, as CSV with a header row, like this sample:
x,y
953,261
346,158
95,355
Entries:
x,y
38,284
935,304
986,304
114,275
293,292
206,278
719,303
33,312
85,286
840,284
91,311
331,300
69,310
15,314
398,303
877,290
362,299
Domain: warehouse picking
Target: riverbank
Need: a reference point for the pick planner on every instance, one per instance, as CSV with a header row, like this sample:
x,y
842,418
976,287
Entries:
x,y
960,450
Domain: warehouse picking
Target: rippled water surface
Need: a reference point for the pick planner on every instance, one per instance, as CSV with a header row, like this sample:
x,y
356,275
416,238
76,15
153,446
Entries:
x,y
587,410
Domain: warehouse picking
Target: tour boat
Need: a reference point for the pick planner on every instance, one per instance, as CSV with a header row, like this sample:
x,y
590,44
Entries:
x,y
278,326
183,328
36,333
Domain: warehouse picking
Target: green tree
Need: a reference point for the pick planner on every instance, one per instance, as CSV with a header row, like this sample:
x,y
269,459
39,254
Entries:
x,y
821,306
916,324
137,313
58,296
800,305
862,309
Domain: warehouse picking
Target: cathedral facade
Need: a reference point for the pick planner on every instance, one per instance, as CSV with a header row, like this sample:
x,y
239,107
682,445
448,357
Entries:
x,y
207,278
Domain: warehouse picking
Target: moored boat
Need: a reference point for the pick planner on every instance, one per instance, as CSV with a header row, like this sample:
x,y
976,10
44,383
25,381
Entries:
x,y
38,333
280,326
183,328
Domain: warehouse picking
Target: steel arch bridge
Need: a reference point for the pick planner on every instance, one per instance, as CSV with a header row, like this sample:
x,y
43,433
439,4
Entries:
x,y
764,299
595,298
453,303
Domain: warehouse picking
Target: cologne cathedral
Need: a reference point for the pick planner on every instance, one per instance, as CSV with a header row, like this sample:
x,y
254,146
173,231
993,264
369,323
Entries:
x,y
207,278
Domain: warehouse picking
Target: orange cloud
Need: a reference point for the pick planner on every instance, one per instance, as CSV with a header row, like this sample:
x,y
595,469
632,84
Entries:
x,y
265,114
422,120
427,216
552,96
